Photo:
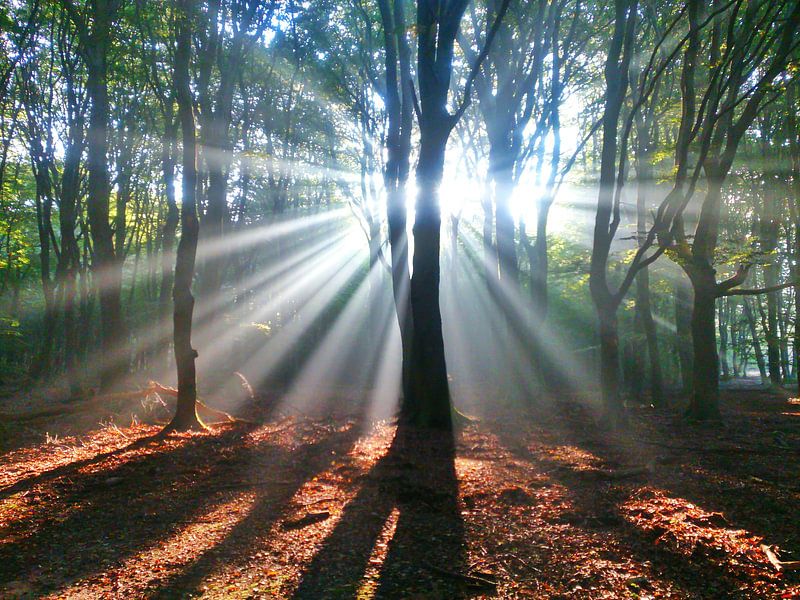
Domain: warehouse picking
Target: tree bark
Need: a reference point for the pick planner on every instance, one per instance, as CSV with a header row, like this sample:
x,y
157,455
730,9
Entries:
x,y
759,353
398,145
183,301
429,403
609,362
683,332
107,270
704,402
171,223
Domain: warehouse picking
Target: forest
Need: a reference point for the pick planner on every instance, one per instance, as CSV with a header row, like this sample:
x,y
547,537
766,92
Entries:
x,y
399,299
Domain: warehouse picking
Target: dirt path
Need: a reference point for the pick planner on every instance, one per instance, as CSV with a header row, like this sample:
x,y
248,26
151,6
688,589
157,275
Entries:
x,y
545,506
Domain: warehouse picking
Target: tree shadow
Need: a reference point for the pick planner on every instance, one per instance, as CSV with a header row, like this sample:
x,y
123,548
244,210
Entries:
x,y
403,533
70,468
268,508
92,525
597,507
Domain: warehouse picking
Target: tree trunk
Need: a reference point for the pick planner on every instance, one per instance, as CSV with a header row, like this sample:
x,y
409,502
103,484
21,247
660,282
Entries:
x,y
489,254
500,170
644,315
429,403
70,253
759,354
723,337
106,269
171,222
704,403
538,259
733,326
183,301
683,332
609,362
398,145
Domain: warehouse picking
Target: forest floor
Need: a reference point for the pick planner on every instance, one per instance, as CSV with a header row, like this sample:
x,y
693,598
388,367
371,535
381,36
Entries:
x,y
547,505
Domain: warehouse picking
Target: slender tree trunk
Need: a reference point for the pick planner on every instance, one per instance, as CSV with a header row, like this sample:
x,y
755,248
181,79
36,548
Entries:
x,y
648,325
44,205
783,337
183,301
538,259
733,325
759,353
644,312
605,302
70,253
723,319
398,143
171,222
106,268
501,172
489,254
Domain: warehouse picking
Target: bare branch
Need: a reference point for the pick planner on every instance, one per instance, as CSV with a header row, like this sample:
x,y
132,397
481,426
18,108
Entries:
x,y
487,46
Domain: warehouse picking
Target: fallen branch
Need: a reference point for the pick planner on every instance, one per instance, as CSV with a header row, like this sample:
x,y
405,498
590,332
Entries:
x,y
472,580
153,387
306,520
780,565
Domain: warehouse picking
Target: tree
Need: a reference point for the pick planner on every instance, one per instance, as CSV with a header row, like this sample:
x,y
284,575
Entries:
x,y
183,301
437,28
739,46
94,25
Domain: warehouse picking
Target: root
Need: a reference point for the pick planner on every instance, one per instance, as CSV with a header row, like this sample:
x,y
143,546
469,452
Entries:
x,y
205,412
780,565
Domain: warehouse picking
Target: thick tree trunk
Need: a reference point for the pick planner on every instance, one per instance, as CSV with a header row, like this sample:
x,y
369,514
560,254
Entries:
x,y
796,270
608,334
429,403
704,402
683,332
783,337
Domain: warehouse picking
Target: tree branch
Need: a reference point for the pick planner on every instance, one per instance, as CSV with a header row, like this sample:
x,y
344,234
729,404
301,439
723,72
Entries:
x,y
757,291
487,46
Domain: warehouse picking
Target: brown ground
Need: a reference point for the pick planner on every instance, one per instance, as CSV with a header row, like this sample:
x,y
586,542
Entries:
x,y
542,506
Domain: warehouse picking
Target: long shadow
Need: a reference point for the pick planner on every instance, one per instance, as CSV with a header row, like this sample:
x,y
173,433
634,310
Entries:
x,y
701,472
599,511
267,510
416,482
70,468
101,525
